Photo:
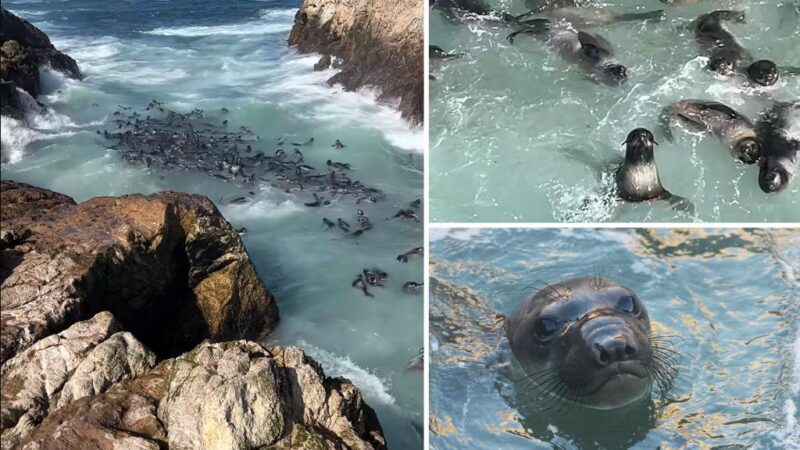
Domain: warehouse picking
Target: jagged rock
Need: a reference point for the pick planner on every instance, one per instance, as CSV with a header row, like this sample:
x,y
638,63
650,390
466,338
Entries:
x,y
168,266
380,43
83,360
172,272
232,395
323,63
23,49
122,418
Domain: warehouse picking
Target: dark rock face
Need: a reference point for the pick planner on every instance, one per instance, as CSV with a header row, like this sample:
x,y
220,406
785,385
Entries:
x,y
24,49
95,294
380,43
168,266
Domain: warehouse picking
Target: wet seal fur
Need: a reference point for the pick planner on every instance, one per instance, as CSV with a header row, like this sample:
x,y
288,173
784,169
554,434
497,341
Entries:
x,y
778,164
588,341
736,131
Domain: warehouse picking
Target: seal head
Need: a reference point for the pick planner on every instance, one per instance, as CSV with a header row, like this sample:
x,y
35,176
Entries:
x,y
586,340
764,72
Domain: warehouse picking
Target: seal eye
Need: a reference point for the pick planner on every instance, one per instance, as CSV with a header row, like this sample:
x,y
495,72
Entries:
x,y
545,328
628,305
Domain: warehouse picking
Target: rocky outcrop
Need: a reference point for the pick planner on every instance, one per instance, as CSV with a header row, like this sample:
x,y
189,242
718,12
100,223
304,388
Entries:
x,y
81,361
379,42
233,395
95,294
23,49
168,266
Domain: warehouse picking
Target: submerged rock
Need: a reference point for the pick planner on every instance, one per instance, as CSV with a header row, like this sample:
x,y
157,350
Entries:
x,y
23,49
380,44
94,294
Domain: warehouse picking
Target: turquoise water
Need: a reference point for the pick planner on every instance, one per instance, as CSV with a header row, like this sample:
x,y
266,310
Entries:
x,y
727,300
503,117
234,55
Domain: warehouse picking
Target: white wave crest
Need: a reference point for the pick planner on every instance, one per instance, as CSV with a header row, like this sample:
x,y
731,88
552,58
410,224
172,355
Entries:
x,y
272,21
297,83
372,386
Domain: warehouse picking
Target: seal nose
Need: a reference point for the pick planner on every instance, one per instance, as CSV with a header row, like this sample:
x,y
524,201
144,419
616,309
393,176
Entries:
x,y
613,349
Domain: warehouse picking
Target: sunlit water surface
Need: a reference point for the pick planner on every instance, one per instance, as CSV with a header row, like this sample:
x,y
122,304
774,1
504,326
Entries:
x,y
728,299
211,55
503,115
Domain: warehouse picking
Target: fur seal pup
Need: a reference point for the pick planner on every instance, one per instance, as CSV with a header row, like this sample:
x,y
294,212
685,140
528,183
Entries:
x,y
736,131
588,340
636,175
778,164
592,52
637,178
726,56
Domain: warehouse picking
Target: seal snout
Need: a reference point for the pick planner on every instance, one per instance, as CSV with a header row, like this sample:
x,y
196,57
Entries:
x,y
764,72
641,137
616,73
749,151
612,350
611,340
772,178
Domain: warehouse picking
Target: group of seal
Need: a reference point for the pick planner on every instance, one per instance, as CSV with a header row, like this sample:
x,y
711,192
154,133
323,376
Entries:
x,y
589,341
160,138
564,28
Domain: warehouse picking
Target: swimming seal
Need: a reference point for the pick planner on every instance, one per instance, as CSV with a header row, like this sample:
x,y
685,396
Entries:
x,y
778,164
588,340
637,179
736,131
726,56
592,52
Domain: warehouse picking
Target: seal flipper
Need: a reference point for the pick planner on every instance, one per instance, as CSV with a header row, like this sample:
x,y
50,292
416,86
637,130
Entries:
x,y
535,26
594,46
656,16
678,203
598,165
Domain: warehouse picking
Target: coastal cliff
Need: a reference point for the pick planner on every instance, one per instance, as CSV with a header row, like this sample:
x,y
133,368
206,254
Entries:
x,y
376,43
23,49
124,324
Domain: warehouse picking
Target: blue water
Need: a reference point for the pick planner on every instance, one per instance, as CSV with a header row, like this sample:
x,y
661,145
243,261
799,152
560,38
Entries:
x,y
729,300
234,54
504,118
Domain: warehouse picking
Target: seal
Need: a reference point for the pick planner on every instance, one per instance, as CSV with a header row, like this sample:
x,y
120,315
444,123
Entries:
x,y
588,340
726,56
636,175
736,131
592,52
638,179
778,164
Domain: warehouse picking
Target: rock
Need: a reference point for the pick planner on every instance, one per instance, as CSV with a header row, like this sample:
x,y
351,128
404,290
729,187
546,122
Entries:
x,y
323,63
123,418
232,395
83,360
24,48
379,41
94,293
168,266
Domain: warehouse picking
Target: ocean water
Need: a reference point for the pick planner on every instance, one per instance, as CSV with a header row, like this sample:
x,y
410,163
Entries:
x,y
211,55
504,116
728,300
